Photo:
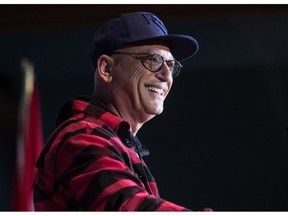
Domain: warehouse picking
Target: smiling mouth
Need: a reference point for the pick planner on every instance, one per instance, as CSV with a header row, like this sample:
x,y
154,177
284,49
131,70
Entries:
x,y
155,90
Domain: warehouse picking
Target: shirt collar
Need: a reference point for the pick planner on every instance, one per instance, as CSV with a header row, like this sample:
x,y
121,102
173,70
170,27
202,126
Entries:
x,y
99,110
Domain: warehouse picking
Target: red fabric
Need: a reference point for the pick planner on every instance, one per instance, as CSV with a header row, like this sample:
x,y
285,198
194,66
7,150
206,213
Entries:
x,y
32,142
91,163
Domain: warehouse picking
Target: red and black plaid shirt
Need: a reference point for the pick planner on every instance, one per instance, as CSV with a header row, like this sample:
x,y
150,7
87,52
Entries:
x,y
91,162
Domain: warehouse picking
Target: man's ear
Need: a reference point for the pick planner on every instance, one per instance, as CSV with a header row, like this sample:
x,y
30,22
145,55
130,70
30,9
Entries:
x,y
104,67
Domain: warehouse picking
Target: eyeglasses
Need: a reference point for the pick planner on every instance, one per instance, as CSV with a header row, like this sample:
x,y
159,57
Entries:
x,y
154,62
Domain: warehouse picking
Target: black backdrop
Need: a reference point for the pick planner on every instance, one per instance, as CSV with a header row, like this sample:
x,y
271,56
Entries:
x,y
221,141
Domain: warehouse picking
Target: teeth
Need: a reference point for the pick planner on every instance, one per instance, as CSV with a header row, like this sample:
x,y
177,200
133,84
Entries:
x,y
154,89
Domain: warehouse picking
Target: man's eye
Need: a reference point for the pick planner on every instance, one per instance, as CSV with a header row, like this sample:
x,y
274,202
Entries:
x,y
170,64
156,59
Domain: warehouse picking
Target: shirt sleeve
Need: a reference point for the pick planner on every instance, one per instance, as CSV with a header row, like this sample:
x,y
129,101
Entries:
x,y
91,174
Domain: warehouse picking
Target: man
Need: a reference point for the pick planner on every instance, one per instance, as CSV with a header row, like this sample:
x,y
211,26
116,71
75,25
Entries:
x,y
93,160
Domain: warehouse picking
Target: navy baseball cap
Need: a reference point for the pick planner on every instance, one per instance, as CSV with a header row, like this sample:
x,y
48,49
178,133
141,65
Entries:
x,y
137,28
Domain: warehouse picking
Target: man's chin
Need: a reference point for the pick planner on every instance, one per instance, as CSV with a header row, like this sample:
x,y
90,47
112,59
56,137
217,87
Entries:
x,y
157,112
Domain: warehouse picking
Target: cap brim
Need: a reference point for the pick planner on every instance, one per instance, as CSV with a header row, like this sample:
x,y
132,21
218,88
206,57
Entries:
x,y
181,46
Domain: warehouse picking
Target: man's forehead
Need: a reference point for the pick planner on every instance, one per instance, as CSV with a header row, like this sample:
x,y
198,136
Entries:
x,y
160,48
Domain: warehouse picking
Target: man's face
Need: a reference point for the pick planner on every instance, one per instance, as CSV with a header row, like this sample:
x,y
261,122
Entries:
x,y
138,90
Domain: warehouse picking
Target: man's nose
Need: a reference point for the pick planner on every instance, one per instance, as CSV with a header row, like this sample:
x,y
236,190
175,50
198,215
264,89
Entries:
x,y
165,73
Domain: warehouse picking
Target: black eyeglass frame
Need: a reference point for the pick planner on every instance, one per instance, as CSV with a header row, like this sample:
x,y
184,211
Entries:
x,y
143,57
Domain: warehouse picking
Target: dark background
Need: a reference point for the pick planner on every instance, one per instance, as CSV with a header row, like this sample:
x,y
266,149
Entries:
x,y
221,141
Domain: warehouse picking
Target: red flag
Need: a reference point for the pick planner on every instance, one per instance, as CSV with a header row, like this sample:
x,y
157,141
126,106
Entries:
x,y
29,142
